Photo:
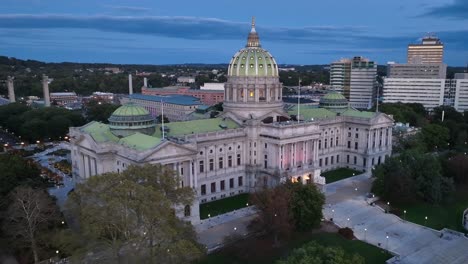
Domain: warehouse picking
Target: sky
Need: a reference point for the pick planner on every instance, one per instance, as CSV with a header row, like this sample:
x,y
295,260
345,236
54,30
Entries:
x,y
208,31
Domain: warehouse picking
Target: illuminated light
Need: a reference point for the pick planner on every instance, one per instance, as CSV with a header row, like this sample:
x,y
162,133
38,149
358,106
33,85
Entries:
x,y
251,94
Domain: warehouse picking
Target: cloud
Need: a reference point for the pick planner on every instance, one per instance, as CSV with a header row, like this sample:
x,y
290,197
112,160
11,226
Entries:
x,y
129,9
193,28
456,10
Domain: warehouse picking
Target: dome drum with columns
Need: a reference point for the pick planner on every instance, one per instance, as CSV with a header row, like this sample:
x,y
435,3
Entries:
x,y
253,89
131,118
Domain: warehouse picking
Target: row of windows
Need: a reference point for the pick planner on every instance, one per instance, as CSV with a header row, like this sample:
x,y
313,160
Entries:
x,y
324,161
326,143
222,185
220,150
211,163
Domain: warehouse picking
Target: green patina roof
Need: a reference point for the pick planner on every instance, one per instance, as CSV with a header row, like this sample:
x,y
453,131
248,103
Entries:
x,y
140,141
130,109
356,113
195,126
101,133
334,96
308,112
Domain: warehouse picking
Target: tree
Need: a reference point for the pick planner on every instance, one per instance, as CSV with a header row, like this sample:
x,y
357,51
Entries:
x,y
435,136
314,253
458,168
132,214
274,214
98,111
306,205
30,213
16,171
158,119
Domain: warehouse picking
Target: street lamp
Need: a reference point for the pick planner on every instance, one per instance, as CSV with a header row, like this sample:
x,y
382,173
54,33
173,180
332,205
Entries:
x,y
425,220
333,212
37,141
235,228
365,234
56,252
404,213
247,204
347,222
387,243
63,222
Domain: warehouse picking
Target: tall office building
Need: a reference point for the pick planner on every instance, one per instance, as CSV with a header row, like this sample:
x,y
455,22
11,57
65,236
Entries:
x,y
428,92
355,79
461,92
423,71
430,50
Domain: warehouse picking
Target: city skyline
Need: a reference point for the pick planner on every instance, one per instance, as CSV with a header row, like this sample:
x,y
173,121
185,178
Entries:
x,y
206,32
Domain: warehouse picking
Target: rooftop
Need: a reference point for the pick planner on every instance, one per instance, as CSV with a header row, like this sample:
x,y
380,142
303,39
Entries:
x,y
130,109
308,112
169,99
196,126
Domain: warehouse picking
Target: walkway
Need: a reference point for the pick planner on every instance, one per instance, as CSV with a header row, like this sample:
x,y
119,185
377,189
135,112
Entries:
x,y
412,243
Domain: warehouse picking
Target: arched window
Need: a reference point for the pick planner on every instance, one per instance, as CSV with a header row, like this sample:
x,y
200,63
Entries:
x,y
187,210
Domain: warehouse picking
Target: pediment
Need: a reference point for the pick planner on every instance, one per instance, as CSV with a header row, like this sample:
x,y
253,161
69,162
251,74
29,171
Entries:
x,y
169,150
382,118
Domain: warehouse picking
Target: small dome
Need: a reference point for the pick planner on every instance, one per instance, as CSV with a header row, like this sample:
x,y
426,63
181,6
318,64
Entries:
x,y
334,101
131,118
253,61
130,109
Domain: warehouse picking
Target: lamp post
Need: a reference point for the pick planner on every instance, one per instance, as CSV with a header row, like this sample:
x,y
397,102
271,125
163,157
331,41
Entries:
x,y
425,220
404,214
365,234
347,224
387,243
333,213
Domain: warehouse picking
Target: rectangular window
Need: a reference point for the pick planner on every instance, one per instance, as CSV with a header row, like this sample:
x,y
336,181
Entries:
x,y
347,158
238,160
349,144
221,163
325,146
239,181
355,145
211,164
202,167
326,161
331,142
320,162
213,187
231,183
266,161
181,171
266,145
320,144
222,185
349,134
337,158
203,189
357,135
332,160
336,141
229,161
364,161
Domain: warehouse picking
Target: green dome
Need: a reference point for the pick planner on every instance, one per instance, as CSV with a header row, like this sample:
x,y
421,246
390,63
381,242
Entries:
x,y
130,109
334,101
253,61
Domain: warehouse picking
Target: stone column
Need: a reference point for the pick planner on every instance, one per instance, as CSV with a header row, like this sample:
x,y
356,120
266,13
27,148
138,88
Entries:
x,y
11,89
45,90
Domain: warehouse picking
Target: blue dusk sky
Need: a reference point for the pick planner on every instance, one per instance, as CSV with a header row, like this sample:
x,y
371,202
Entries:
x,y
206,31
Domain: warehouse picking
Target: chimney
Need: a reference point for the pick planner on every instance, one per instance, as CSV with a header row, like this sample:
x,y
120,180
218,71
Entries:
x,y
130,84
145,82
45,89
11,89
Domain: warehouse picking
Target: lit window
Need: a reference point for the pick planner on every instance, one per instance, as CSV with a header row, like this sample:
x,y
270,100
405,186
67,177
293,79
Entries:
x,y
242,65
251,65
251,94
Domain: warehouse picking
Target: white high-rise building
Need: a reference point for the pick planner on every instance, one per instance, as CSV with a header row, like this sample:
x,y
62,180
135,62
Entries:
x,y
355,79
461,92
429,51
428,92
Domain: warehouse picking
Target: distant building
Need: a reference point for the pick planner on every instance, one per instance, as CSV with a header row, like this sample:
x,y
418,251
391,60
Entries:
x,y
429,51
100,96
63,98
207,97
176,107
213,86
186,79
461,92
419,71
355,79
428,92
114,70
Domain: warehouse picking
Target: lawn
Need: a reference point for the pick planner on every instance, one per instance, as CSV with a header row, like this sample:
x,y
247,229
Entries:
x,y
223,205
447,215
339,174
259,250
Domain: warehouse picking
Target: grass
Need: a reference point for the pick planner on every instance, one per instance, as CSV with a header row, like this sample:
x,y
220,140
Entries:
x,y
224,205
260,251
339,174
447,215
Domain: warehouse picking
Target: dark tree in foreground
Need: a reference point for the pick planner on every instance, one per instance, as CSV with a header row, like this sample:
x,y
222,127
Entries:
x,y
318,254
30,214
130,216
306,205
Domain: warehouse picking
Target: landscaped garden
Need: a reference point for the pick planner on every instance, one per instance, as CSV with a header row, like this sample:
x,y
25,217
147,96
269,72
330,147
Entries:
x,y
339,174
223,206
259,249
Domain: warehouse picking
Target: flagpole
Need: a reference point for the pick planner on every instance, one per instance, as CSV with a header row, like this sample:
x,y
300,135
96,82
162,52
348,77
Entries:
x,y
298,101
162,118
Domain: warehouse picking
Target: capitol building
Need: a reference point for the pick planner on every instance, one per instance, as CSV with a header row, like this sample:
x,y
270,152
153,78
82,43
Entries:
x,y
256,142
